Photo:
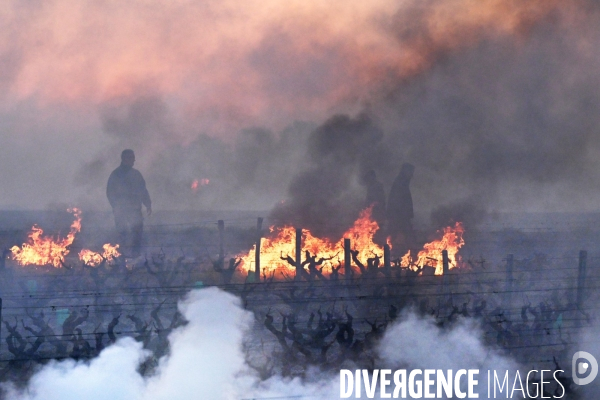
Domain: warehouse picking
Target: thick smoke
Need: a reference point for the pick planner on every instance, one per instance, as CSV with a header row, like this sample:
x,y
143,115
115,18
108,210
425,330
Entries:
x,y
506,125
326,196
206,360
456,87
205,357
250,174
418,343
508,122
469,212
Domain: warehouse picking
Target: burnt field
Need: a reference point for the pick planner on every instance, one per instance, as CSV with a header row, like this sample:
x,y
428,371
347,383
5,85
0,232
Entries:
x,y
524,281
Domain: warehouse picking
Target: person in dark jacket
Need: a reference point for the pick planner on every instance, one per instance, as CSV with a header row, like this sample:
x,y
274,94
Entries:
x,y
400,209
126,192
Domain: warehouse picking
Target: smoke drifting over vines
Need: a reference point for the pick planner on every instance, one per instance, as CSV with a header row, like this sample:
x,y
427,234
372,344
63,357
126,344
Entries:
x,y
494,102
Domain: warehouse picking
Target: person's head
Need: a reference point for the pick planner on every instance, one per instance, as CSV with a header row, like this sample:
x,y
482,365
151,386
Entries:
x,y
407,170
127,158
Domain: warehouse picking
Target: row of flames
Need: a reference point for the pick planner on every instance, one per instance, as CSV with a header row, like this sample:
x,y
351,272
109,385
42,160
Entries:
x,y
46,250
282,244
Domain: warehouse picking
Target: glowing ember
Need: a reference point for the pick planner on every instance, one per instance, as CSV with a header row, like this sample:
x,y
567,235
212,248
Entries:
x,y
94,259
283,244
197,183
44,250
431,255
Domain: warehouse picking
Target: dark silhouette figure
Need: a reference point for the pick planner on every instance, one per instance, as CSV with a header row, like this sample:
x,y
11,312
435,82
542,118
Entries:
x,y
126,192
400,210
375,197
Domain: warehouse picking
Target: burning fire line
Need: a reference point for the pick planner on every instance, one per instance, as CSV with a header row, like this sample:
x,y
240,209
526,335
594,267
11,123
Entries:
x,y
361,235
46,250
283,244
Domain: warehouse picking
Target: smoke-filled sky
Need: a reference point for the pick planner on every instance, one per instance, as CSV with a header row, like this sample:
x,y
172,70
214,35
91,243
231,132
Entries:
x,y
494,101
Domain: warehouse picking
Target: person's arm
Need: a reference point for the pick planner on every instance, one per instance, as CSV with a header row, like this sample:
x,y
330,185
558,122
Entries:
x,y
145,195
110,190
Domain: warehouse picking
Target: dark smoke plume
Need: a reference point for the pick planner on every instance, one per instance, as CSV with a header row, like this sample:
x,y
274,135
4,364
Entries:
x,y
325,196
511,123
504,115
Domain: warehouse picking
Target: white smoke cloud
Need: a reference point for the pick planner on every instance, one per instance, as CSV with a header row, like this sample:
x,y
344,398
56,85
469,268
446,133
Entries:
x,y
417,343
110,376
205,357
207,361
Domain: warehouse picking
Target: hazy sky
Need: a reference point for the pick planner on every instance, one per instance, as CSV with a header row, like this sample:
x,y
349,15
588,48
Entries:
x,y
215,89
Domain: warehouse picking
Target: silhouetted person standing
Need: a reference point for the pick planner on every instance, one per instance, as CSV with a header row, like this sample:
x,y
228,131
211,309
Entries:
x,y
126,192
400,210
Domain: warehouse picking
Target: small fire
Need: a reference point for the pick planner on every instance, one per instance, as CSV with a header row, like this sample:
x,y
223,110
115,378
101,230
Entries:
x,y
283,244
94,259
45,250
431,255
197,183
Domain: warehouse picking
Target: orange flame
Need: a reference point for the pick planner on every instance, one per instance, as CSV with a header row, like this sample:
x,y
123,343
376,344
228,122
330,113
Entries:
x,y
431,255
283,244
44,250
90,257
361,235
94,259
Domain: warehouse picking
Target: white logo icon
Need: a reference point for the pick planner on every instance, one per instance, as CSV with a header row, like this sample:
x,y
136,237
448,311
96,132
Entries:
x,y
581,368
